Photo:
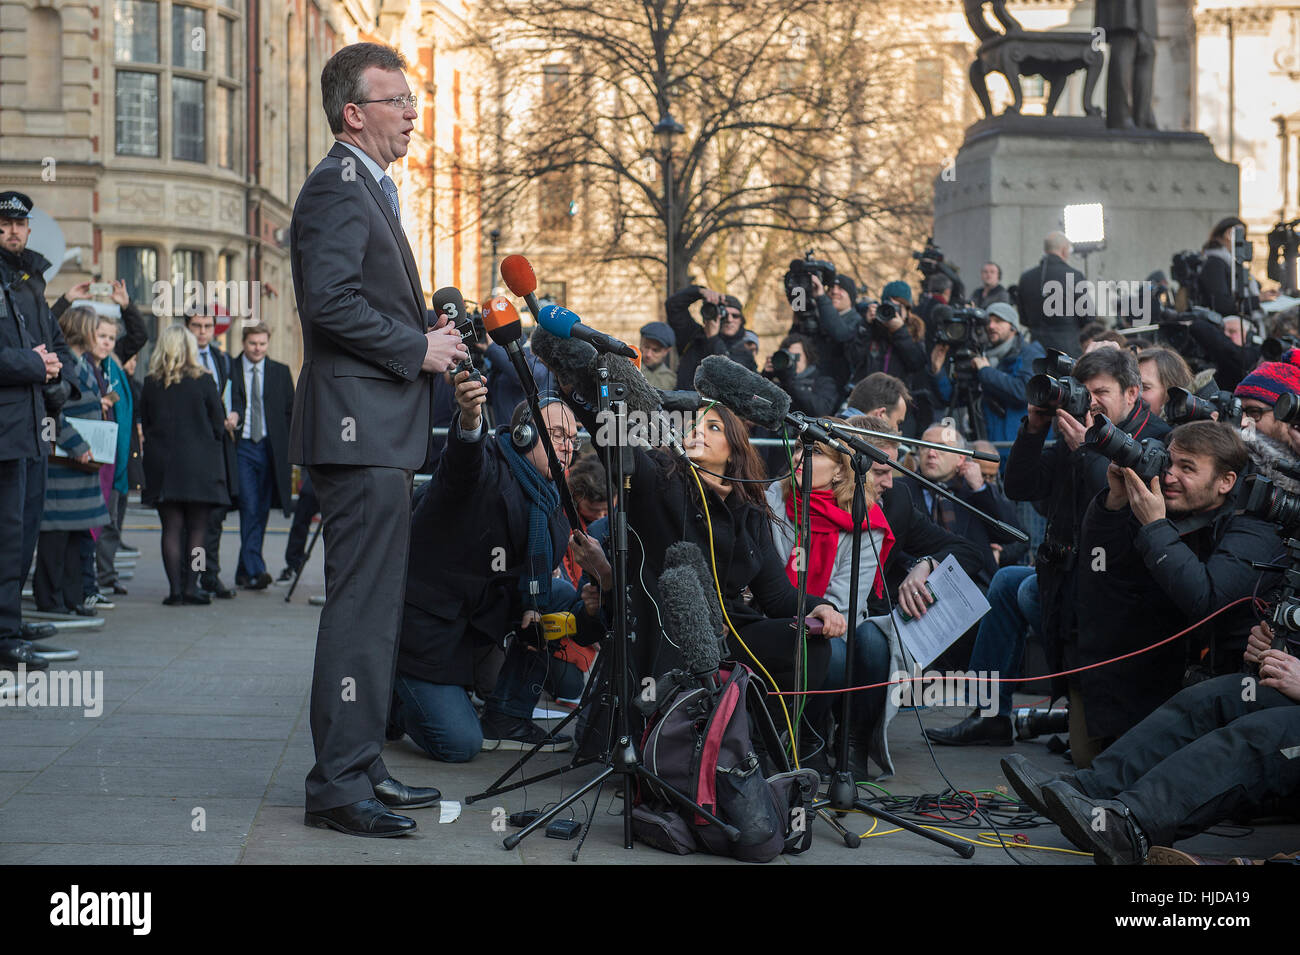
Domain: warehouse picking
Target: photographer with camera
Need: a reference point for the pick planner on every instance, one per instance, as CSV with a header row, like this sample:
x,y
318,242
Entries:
x,y
1168,548
1068,475
1003,369
1214,283
890,338
1053,319
489,490
1259,393
794,368
1214,752
721,332
824,312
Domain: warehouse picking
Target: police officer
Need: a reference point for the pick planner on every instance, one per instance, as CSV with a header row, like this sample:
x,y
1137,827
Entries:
x,y
25,366
22,274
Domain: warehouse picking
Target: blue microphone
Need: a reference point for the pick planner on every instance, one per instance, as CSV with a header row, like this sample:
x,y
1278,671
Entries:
x,y
562,323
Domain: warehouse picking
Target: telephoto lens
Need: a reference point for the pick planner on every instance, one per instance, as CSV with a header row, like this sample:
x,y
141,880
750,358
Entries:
x,y
1148,458
782,361
1183,406
1065,393
1033,721
1267,501
1272,349
1287,409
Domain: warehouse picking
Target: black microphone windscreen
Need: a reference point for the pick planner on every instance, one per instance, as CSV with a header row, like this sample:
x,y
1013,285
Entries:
x,y
569,359
450,303
686,619
748,394
688,554
639,393
679,400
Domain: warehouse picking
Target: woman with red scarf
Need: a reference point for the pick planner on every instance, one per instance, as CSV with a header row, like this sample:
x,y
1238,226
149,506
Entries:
x,y
830,557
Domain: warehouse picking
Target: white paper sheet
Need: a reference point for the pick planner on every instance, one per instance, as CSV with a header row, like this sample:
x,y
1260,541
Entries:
x,y
958,605
100,435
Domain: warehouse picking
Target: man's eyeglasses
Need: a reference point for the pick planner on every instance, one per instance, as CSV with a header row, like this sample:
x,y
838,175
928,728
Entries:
x,y
411,101
560,437
1254,414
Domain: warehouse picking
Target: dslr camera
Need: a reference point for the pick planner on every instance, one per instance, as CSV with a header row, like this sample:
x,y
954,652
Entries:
x,y
930,260
1183,406
799,289
1149,457
885,311
1052,387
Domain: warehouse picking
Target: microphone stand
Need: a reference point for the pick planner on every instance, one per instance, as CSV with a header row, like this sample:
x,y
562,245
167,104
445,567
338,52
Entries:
x,y
620,756
842,796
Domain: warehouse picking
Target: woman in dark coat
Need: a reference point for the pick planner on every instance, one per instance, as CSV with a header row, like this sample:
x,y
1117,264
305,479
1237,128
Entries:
x,y
184,462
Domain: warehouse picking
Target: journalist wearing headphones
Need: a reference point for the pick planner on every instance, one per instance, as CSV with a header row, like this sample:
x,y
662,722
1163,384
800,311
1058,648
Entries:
x,y
487,536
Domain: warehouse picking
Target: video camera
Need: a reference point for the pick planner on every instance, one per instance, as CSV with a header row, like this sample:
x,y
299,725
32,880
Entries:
x,y
1148,457
799,289
930,260
1052,387
965,328
1183,406
1185,268
1266,501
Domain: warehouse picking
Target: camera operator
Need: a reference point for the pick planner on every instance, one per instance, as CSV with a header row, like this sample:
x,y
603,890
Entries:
x,y
990,291
1213,753
1067,476
721,333
493,496
1048,280
1214,283
889,343
794,368
1002,372
1174,552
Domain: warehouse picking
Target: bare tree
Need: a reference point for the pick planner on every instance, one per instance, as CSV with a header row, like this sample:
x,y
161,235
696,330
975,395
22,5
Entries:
x,y
799,125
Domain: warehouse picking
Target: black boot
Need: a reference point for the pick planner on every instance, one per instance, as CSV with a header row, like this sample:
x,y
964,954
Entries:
x,y
975,730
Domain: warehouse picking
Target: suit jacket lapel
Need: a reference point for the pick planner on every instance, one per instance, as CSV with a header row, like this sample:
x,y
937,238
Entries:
x,y
408,259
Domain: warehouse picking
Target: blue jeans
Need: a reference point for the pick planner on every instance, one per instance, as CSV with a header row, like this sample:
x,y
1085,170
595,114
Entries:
x,y
524,674
254,505
1000,642
870,665
439,718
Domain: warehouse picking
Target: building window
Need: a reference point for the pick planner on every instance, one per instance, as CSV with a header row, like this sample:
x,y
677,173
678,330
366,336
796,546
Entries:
x,y
1033,87
187,266
189,38
135,31
137,114
187,119
137,266
227,127
228,47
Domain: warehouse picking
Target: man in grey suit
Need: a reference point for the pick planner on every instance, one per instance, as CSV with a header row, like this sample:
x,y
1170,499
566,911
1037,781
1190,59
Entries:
x,y
361,424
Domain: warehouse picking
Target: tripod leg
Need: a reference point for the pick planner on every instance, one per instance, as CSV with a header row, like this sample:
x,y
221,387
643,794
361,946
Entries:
x,y
963,849
586,829
545,818
305,557
851,839
497,786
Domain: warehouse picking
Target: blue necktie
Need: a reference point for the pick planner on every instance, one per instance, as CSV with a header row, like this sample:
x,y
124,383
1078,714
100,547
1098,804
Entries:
x,y
390,191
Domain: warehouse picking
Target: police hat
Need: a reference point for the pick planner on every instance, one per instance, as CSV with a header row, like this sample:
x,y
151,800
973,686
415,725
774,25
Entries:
x,y
15,205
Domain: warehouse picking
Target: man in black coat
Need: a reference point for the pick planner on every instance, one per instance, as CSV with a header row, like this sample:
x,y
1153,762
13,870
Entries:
x,y
1164,556
261,395
25,366
217,362
1053,303
723,334
962,476
22,272
493,496
1067,476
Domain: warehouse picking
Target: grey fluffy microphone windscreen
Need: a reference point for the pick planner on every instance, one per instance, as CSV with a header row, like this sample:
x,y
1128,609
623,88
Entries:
x,y
686,619
687,554
569,359
749,395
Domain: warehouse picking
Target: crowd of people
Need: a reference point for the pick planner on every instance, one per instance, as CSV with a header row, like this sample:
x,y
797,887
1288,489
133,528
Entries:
x,y
1161,737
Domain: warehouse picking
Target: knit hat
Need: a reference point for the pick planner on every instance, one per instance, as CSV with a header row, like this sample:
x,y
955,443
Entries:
x,y
897,289
751,336
1006,313
1270,380
660,332
850,286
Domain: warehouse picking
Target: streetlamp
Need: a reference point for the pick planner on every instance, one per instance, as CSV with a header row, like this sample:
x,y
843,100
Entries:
x,y
664,131
494,237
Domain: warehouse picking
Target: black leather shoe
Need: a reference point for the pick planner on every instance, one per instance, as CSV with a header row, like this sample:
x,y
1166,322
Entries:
x,y
38,631
220,590
200,598
173,600
1028,780
22,654
369,818
975,730
256,583
1105,826
397,795
264,580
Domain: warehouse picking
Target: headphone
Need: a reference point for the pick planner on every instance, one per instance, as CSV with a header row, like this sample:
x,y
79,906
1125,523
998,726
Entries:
x,y
523,432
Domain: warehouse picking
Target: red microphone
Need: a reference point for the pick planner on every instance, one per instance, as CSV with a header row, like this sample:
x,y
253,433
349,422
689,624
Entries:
x,y
502,320
521,280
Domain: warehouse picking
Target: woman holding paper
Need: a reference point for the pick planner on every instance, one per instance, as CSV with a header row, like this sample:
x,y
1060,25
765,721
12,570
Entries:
x,y
184,459
74,502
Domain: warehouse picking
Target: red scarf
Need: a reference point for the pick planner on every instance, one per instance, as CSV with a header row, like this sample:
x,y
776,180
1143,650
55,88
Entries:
x,y
829,520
